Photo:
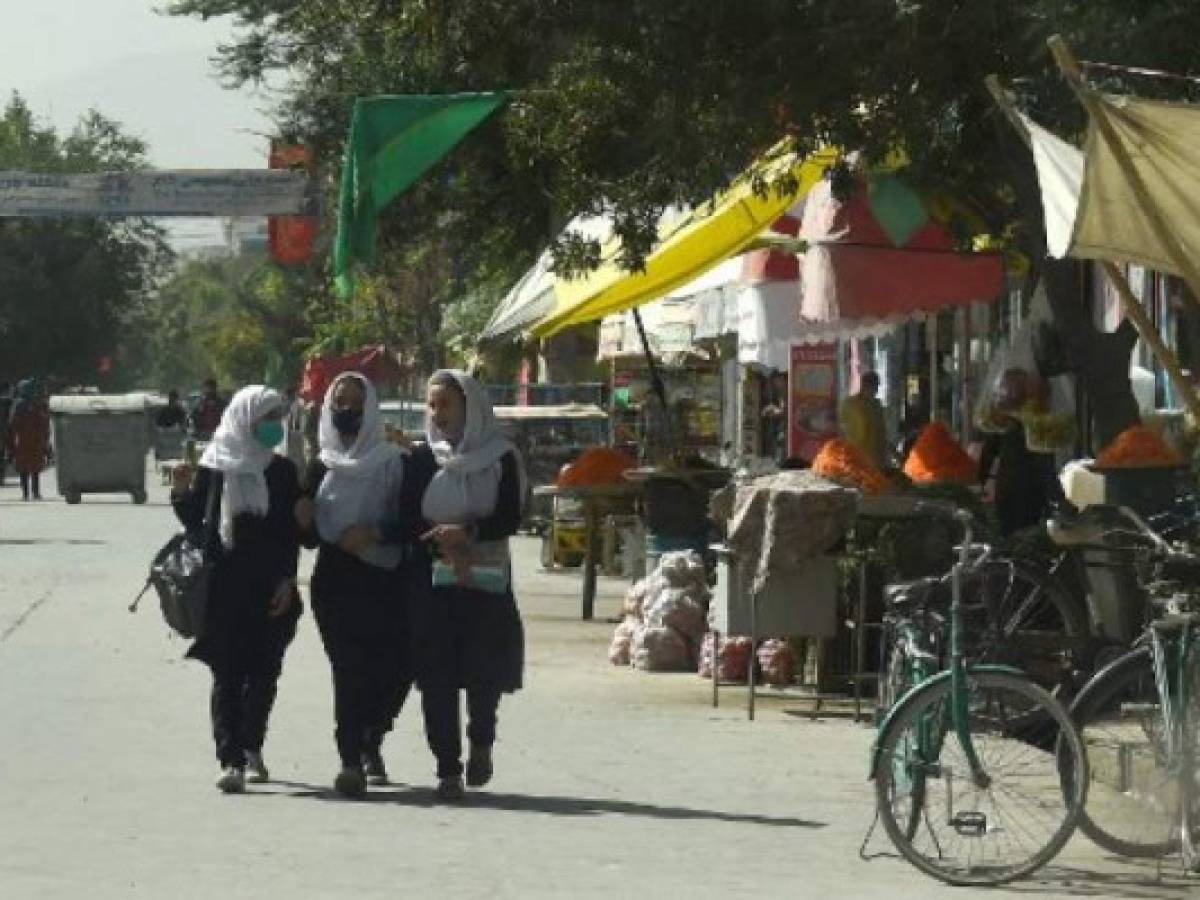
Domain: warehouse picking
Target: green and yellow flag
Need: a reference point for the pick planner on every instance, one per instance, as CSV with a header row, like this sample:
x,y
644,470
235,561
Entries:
x,y
394,140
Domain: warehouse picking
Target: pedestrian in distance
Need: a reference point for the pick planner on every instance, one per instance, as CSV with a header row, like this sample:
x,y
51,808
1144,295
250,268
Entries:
x,y
206,414
467,631
173,415
253,602
6,404
28,437
359,596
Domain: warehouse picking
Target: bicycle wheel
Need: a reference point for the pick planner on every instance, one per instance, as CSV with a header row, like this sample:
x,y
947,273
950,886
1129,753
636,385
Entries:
x,y
1133,806
1189,768
989,833
1019,615
894,684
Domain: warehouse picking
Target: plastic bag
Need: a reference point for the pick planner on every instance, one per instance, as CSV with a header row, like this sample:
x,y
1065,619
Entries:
x,y
660,649
684,609
682,568
1025,381
622,642
777,662
733,658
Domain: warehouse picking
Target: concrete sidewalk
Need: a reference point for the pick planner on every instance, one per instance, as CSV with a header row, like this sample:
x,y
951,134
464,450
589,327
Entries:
x,y
610,783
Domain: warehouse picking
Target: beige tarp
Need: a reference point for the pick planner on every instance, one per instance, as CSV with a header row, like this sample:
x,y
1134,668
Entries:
x,y
1116,214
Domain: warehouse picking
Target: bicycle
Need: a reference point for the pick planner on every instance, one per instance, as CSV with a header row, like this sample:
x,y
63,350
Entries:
x,y
968,763
1140,722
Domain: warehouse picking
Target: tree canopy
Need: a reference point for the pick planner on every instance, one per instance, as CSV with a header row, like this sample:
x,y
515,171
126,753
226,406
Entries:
x,y
71,290
642,104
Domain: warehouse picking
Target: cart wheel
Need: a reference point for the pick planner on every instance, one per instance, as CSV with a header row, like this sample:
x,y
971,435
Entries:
x,y
72,497
547,551
139,497
573,560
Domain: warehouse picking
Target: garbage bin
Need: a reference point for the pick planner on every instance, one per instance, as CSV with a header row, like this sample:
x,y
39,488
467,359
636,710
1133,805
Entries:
x,y
100,445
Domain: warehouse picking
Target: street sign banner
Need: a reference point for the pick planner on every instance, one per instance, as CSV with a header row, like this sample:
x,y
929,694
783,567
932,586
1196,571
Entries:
x,y
179,192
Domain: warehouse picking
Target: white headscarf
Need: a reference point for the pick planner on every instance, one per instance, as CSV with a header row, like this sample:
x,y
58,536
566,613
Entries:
x,y
466,486
240,457
361,477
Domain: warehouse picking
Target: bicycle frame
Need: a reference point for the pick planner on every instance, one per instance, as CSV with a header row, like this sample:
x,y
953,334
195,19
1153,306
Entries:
x,y
931,734
1174,686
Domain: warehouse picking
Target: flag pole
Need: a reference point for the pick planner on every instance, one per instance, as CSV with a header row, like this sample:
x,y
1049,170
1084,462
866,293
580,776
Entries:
x,y
1131,306
1071,71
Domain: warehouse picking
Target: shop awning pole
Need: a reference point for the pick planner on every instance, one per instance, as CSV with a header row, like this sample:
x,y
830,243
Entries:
x,y
656,382
931,338
1129,302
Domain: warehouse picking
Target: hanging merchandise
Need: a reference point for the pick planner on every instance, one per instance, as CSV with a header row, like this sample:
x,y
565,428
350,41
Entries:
x,y
1016,386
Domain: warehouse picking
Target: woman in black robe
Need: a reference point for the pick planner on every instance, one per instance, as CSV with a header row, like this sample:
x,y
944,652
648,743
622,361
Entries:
x,y
358,590
253,603
467,630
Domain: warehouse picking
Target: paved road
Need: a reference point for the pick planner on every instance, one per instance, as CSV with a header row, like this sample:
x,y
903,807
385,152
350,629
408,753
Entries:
x,y
610,783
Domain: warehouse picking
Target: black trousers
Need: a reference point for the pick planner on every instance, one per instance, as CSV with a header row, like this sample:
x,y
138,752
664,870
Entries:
x,y
241,706
31,483
246,659
363,623
443,727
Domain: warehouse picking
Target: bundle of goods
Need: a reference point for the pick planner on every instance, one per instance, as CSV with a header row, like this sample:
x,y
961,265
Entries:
x,y
1138,448
594,467
733,658
1048,432
843,463
780,522
777,661
938,457
666,615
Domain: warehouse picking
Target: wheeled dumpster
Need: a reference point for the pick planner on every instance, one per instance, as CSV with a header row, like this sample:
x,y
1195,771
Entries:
x,y
100,445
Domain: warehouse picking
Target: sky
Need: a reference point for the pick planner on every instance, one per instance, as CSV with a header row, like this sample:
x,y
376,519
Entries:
x,y
151,72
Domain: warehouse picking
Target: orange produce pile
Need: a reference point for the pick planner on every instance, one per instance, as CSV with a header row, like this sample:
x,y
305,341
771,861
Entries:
x,y
596,466
937,456
842,462
1137,448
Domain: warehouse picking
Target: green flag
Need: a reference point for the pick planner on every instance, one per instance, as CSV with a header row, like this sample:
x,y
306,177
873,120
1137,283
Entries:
x,y
393,142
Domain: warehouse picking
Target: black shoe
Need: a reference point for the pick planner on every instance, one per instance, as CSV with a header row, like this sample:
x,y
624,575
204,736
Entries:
x,y
350,783
479,767
450,790
372,763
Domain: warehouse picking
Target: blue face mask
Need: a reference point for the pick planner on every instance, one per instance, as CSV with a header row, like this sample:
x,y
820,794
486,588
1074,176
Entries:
x,y
269,432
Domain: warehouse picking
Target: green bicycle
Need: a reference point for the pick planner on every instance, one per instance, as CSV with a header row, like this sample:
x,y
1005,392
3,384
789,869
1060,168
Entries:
x,y
968,762
1140,722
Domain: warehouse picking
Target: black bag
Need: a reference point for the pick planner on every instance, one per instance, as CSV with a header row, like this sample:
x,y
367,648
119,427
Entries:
x,y
181,570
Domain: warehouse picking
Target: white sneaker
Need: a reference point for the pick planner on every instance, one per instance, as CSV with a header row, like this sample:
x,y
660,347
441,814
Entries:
x,y
232,780
257,769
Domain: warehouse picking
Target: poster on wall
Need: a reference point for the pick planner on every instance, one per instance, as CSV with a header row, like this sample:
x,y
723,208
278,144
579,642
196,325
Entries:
x,y
813,395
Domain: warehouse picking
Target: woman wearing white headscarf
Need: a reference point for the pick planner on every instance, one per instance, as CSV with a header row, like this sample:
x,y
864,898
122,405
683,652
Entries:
x,y
253,605
358,591
467,630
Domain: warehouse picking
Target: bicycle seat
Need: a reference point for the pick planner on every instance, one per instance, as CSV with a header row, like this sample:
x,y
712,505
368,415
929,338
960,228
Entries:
x,y
910,594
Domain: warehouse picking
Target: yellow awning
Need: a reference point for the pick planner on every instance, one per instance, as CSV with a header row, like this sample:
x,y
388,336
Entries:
x,y
687,247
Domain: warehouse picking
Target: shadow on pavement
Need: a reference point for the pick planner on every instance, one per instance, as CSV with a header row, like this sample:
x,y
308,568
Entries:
x,y
1142,880
553,806
32,542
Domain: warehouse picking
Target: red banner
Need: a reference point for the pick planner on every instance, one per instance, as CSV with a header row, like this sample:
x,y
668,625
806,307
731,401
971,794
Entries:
x,y
380,366
291,238
813,398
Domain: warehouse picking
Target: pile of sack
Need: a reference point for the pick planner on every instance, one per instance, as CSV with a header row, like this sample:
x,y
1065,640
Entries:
x,y
666,617
776,659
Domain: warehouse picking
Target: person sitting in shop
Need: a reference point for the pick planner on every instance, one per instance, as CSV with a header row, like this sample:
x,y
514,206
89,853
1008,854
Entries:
x,y
861,419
